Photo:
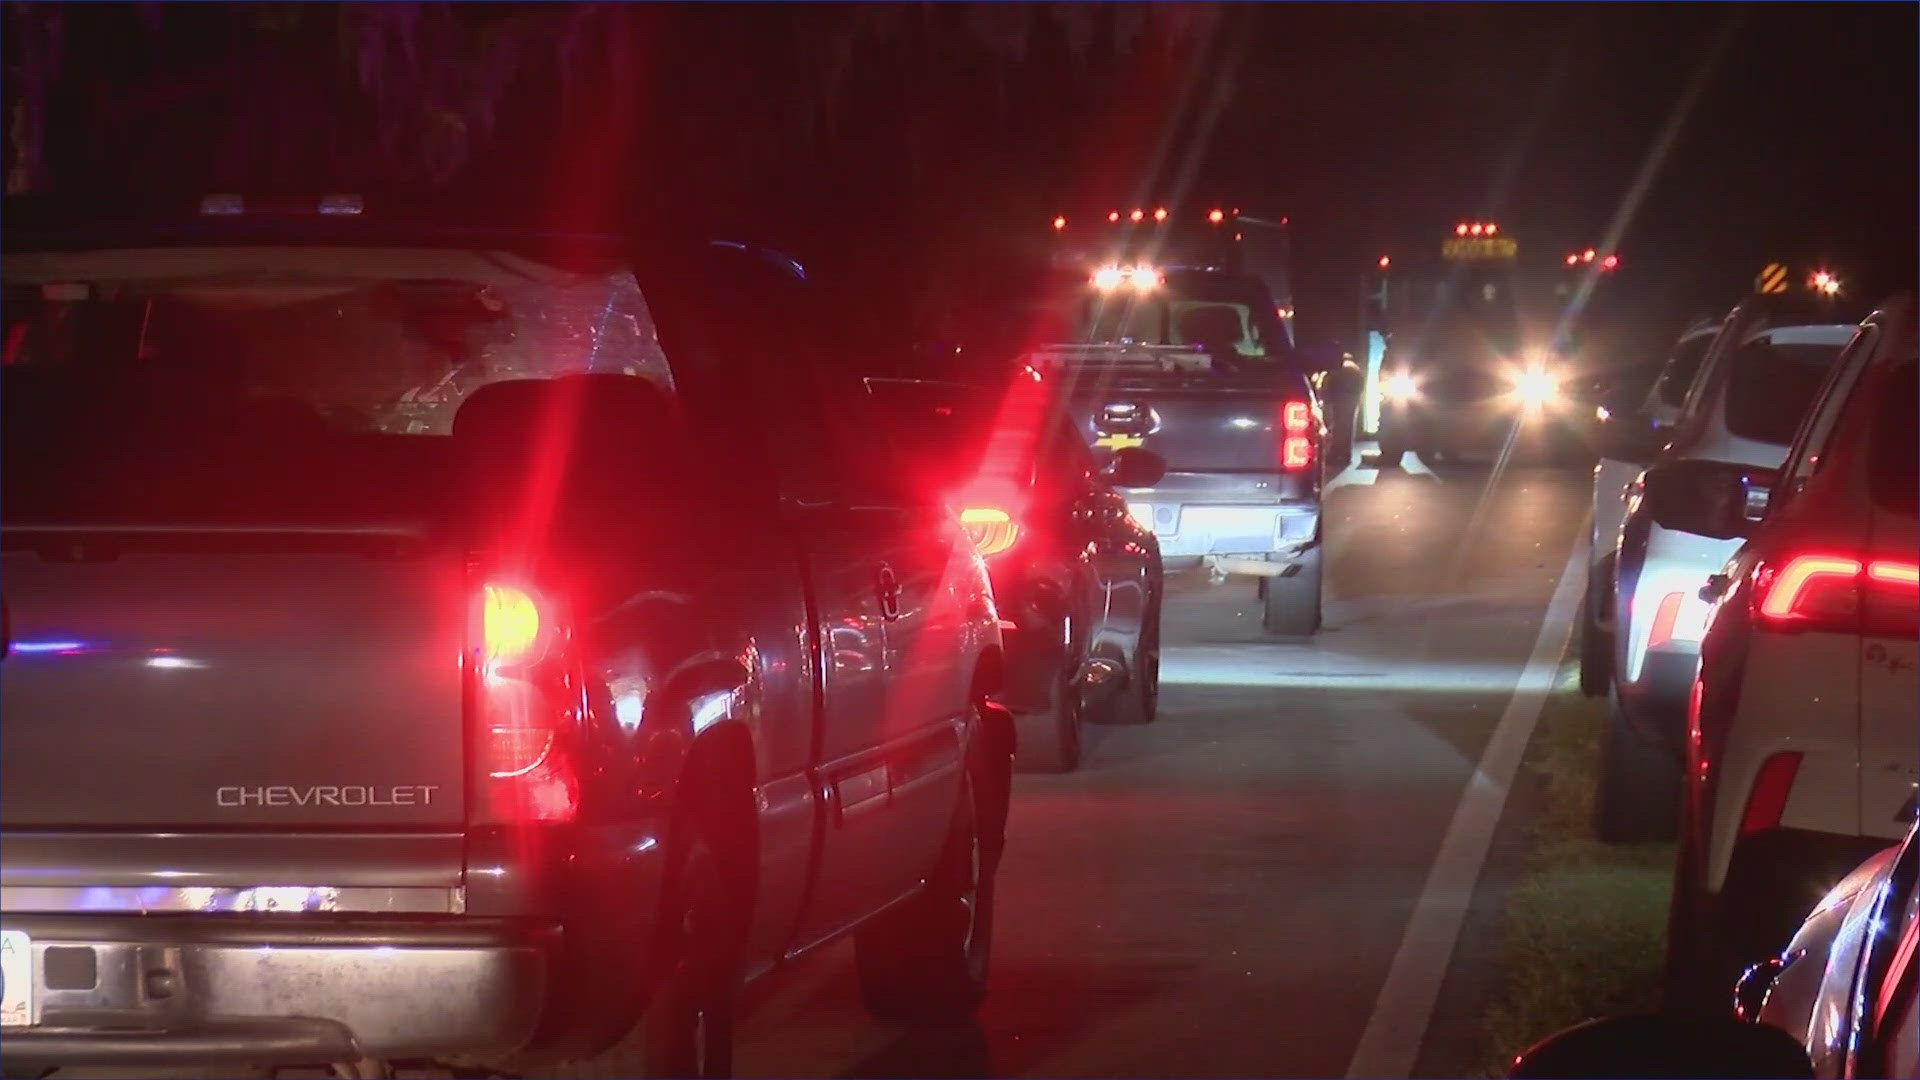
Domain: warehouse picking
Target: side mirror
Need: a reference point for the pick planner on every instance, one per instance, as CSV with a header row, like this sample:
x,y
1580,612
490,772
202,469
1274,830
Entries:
x,y
1708,498
1671,1046
1133,467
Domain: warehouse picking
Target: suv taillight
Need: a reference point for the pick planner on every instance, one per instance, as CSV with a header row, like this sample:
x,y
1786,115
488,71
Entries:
x,y
1296,439
527,708
1826,592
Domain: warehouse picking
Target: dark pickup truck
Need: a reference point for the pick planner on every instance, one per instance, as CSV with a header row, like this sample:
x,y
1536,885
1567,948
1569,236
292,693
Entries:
x,y
1193,365
421,647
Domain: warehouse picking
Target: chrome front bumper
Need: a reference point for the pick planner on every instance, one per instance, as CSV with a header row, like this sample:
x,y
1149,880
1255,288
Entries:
x,y
280,989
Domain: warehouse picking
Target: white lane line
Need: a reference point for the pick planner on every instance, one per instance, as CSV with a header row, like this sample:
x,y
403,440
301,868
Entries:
x,y
1391,1042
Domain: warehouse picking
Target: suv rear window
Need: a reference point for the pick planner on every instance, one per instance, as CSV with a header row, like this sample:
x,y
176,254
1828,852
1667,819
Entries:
x,y
1895,463
1772,386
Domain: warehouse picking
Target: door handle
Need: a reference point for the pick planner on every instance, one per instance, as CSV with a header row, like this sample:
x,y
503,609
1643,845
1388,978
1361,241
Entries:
x,y
889,587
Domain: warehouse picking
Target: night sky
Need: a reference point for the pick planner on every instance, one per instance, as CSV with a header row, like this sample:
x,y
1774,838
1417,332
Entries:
x,y
878,139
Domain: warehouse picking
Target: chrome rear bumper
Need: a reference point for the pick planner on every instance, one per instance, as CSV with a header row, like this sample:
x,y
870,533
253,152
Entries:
x,y
279,989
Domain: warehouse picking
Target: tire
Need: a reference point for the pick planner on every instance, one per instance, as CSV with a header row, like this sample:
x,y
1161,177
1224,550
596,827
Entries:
x,y
1637,796
1596,645
1291,605
687,1029
1050,742
1769,889
1142,701
925,959
1681,986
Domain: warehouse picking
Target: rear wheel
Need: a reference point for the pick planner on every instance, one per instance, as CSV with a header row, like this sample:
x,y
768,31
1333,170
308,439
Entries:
x,y
926,958
1142,701
1638,795
1596,644
1292,600
1050,742
1771,885
1393,453
687,1030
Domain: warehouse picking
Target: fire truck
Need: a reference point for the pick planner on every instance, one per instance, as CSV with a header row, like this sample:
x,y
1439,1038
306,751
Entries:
x,y
1477,347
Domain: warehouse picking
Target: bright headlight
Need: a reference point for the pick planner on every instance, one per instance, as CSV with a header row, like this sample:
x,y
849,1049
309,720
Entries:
x,y
1537,386
1108,278
1399,387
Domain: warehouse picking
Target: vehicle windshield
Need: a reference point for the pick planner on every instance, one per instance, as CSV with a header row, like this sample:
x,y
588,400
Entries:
x,y
360,340
1680,370
1220,314
1772,385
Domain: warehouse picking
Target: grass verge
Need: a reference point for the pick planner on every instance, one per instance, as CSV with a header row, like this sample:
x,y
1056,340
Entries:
x,y
1581,934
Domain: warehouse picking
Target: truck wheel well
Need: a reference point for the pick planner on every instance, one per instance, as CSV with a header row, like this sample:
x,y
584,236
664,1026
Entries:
x,y
716,797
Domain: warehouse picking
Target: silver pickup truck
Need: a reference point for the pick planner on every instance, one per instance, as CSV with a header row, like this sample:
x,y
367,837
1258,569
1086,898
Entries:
x,y
1193,365
356,714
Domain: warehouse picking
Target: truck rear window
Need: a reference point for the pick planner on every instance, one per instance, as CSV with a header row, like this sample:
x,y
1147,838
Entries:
x,y
1772,386
363,340
249,383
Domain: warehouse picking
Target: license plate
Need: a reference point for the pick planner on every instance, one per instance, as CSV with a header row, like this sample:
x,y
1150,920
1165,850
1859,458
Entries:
x,y
16,979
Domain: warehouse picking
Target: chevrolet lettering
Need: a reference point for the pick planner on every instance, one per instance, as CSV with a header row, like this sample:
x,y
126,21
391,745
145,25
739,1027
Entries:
x,y
326,795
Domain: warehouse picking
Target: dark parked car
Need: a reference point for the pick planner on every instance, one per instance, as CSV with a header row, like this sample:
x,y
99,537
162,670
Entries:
x,y
353,711
1076,580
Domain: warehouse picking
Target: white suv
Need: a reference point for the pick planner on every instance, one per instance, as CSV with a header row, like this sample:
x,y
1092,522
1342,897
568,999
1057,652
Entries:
x,y
1630,438
1741,409
1802,750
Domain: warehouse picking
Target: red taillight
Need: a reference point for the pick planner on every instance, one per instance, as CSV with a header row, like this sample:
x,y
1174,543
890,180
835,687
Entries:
x,y
1664,619
991,529
1810,590
1893,573
1826,592
509,624
1767,801
527,704
1296,441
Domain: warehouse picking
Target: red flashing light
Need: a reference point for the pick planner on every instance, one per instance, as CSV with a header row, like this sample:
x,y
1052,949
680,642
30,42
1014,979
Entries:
x,y
1113,216
1160,214
1459,230
1476,229
1059,223
1138,215
1216,216
1492,229
1573,260
1385,262
1767,799
1610,262
1587,255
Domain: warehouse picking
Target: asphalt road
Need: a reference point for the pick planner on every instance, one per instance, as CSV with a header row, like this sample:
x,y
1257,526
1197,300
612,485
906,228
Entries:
x,y
1223,892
